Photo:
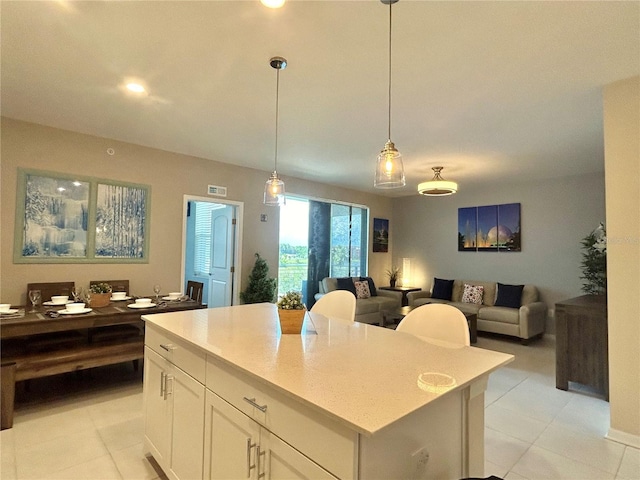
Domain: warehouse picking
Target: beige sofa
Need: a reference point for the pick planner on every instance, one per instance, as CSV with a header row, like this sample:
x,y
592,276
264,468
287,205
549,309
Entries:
x,y
368,310
525,322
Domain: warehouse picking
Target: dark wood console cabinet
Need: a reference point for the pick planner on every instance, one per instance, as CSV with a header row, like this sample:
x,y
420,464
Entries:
x,y
582,352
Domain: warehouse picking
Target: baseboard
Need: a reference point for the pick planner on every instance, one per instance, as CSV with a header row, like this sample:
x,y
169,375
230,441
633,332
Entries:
x,y
624,438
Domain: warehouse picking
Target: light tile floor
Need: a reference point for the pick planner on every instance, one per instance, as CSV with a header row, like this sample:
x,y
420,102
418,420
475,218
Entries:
x,y
533,431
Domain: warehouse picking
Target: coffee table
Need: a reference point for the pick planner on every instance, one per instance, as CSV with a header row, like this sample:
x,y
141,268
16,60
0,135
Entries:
x,y
399,313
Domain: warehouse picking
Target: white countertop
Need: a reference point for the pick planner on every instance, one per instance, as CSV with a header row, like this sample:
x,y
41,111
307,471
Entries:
x,y
362,375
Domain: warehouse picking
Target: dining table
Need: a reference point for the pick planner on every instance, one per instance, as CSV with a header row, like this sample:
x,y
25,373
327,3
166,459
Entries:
x,y
48,340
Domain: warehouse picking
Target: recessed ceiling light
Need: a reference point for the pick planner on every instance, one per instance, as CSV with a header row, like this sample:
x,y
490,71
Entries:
x,y
272,3
135,87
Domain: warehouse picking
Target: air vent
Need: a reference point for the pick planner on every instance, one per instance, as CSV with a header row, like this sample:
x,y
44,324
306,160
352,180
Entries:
x,y
218,191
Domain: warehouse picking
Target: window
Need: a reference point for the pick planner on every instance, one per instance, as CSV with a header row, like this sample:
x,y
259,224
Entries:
x,y
203,237
320,239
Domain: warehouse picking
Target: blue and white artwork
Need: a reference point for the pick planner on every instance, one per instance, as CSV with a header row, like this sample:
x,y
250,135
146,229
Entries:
x,y
120,221
55,217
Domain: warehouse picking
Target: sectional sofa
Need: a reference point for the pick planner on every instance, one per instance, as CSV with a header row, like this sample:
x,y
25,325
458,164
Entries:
x,y
506,309
368,310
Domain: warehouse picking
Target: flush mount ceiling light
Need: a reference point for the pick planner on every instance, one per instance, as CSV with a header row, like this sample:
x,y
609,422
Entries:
x,y
274,188
272,3
437,187
389,170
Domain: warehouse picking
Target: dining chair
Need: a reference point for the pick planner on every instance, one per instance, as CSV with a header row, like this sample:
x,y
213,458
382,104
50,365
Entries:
x,y
194,290
116,285
437,321
336,304
49,289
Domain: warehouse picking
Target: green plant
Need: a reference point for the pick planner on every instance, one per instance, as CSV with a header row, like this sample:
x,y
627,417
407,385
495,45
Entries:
x,y
261,288
100,288
594,262
291,300
394,274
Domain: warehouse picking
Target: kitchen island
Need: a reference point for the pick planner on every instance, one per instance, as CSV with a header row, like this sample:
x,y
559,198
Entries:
x,y
228,396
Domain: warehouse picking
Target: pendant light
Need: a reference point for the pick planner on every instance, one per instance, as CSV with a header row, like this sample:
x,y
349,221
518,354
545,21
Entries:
x,y
274,188
437,187
389,170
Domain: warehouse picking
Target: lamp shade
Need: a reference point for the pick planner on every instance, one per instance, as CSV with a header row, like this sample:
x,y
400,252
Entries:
x,y
274,191
390,169
437,187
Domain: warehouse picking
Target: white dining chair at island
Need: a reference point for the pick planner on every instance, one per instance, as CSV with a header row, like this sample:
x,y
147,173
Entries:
x,y
438,322
336,304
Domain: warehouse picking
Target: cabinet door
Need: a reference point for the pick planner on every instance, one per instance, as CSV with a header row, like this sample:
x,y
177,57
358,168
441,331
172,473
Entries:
x,y
231,440
157,412
282,461
187,398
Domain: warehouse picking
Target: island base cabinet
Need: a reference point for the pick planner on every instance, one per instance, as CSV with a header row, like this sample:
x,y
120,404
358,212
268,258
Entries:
x,y
174,418
238,447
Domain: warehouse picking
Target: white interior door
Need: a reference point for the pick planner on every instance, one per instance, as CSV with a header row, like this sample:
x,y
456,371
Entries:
x,y
222,242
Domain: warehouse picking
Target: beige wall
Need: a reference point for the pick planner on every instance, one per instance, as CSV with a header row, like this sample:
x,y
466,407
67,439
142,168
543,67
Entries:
x,y
171,176
622,169
555,215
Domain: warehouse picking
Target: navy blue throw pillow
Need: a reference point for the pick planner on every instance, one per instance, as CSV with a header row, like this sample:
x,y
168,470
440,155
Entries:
x,y
372,286
442,289
345,283
509,295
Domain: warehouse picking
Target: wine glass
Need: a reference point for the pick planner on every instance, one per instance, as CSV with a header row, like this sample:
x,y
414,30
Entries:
x,y
77,294
156,290
34,296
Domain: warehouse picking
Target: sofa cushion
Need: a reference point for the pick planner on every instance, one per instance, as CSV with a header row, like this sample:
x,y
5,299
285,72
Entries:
x,y
467,307
529,294
509,295
372,286
472,294
362,289
329,284
368,305
346,283
500,314
442,289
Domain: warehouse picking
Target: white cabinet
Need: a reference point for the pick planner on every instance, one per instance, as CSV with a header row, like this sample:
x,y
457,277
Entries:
x,y
238,447
174,414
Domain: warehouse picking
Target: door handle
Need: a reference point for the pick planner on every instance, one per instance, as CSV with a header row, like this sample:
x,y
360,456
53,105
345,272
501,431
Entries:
x,y
261,453
250,466
162,384
166,387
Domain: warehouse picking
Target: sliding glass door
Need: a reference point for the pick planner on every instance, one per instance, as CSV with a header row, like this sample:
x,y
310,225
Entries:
x,y
320,239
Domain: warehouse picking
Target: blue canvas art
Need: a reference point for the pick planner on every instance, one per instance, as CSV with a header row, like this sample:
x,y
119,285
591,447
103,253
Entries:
x,y
489,228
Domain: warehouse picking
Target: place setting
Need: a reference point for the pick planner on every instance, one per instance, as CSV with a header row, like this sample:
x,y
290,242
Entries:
x,y
7,312
57,301
73,308
142,303
119,296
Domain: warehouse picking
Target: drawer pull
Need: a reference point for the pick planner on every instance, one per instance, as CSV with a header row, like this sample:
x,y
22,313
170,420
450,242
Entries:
x,y
168,346
250,466
252,402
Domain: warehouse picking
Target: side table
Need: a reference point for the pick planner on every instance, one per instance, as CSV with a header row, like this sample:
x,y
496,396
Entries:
x,y
404,290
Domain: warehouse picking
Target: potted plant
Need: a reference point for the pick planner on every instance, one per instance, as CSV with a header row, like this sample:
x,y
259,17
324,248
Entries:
x,y
393,273
99,295
261,287
594,262
291,312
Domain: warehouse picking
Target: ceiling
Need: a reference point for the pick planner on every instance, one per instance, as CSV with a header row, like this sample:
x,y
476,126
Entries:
x,y
492,91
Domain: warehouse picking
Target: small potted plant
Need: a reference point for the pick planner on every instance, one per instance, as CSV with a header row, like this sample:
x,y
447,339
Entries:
x,y
393,273
291,312
100,295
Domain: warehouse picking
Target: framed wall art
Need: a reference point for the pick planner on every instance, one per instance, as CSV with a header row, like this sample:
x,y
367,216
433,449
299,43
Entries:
x,y
63,218
490,228
380,235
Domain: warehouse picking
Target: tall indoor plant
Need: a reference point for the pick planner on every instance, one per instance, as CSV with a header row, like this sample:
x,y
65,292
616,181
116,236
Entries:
x,y
594,262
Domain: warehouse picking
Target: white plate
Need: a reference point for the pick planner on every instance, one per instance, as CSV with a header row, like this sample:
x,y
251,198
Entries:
x,y
169,299
52,304
119,299
11,311
67,312
144,305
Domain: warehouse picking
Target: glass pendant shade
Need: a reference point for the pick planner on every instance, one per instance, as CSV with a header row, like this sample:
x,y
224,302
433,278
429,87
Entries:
x,y
437,187
274,191
390,170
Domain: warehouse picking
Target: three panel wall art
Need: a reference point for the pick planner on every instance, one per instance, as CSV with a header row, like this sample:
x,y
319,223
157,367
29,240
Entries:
x,y
491,228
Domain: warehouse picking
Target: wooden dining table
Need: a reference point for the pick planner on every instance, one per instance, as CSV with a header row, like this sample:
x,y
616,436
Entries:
x,y
39,342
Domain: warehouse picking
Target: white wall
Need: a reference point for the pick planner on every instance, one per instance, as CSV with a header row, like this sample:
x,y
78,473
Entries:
x,y
622,167
555,215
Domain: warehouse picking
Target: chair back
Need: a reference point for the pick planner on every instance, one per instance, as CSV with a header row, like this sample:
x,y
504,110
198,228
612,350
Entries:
x,y
116,285
437,321
49,289
336,304
194,290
